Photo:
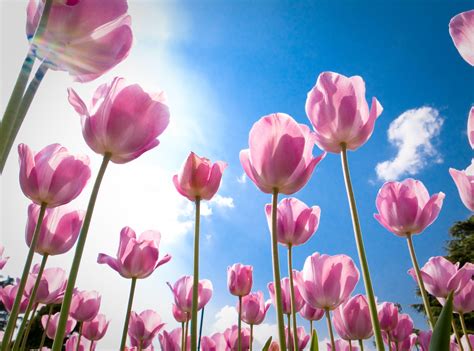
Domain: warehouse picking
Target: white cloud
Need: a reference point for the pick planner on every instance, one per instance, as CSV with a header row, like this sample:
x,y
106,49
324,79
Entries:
x,y
222,201
412,133
242,179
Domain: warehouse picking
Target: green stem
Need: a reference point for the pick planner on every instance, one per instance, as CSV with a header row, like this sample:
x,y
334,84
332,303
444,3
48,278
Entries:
x,y
361,345
331,334
292,296
43,337
31,304
195,276
21,287
361,250
28,328
200,329
127,315
389,341
79,337
91,347
311,327
81,242
276,273
182,336
186,336
251,337
421,284
288,334
464,331
350,345
239,325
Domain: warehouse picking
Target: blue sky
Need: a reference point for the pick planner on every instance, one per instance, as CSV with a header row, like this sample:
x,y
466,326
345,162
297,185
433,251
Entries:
x,y
223,66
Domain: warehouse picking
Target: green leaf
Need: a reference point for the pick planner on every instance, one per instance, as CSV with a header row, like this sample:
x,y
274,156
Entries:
x,y
267,344
314,341
442,330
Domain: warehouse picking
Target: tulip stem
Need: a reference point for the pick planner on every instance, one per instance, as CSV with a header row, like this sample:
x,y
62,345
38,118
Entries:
x,y
419,279
182,336
127,315
276,273
30,305
389,341
195,276
288,333
91,347
361,250
80,336
239,325
28,328
464,331
21,287
200,329
331,334
350,345
186,336
81,242
292,295
251,337
361,345
311,327
43,337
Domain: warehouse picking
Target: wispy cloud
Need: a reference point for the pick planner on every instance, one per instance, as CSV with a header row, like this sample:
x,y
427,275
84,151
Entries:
x,y
222,201
242,179
412,133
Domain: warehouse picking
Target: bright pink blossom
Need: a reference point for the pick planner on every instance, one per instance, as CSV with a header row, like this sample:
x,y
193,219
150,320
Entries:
x,y
464,300
254,308
406,207
96,328
123,120
352,319
338,110
239,279
285,294
303,338
8,295
407,344
423,340
387,315
183,293
136,257
51,287
296,222
143,327
179,315
52,176
52,324
470,127
461,28
342,345
216,342
3,259
199,177
403,329
311,314
84,344
172,341
464,181
85,305
280,154
83,37
231,336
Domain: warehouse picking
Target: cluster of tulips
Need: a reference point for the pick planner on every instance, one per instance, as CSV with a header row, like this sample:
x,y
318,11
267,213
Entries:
x,y
88,38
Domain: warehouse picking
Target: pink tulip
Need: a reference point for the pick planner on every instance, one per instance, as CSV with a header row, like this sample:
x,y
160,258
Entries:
x,y
179,315
303,338
274,346
254,308
144,327
96,328
59,230
464,341
217,342
406,207
403,329
296,222
342,345
51,287
464,300
134,348
3,260
172,341
136,257
441,277
352,319
239,279
408,343
232,335
464,181
285,294
199,178
337,108
85,38
123,120
461,28
470,127
387,315
53,324
52,176
85,305
311,314
327,281
8,295
423,340
183,293
84,344
280,155
207,344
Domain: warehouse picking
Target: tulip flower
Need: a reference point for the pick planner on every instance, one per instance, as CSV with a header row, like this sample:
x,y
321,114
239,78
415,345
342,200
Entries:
x,y
207,344
403,329
96,328
85,305
7,296
51,325
285,296
76,343
464,181
179,315
470,127
408,343
144,327
3,260
388,316
352,319
172,341
461,29
183,291
423,340
231,336
274,346
252,309
311,314
463,303
302,338
341,345
51,287
467,340
216,342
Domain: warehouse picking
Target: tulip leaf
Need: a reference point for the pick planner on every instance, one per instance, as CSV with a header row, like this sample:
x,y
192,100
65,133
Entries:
x,y
267,344
442,331
314,342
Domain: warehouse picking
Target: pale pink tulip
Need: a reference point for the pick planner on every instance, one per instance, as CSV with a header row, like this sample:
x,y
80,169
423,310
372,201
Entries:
x,y
3,259
280,156
461,28
143,327
254,308
303,338
464,300
199,177
85,38
239,279
85,305
51,287
179,315
217,342
387,315
338,110
311,314
7,296
441,277
84,344
403,329
408,343
52,176
231,336
52,325
59,230
464,341
285,294
327,281
470,127
183,293
134,348
406,208
136,257
352,319
96,328
342,345
172,341
423,340
296,222
123,120
207,344
464,181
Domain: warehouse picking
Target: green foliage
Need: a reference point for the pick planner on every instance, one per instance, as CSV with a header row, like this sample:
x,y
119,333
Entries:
x,y
314,342
267,344
442,331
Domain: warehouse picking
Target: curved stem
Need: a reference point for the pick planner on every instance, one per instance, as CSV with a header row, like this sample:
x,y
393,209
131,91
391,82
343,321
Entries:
x,y
182,336
127,315
21,287
239,325
31,303
361,250
81,242
276,273
195,276
361,345
28,328
251,337
200,329
292,296
419,279
331,334
43,337
186,336
464,331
